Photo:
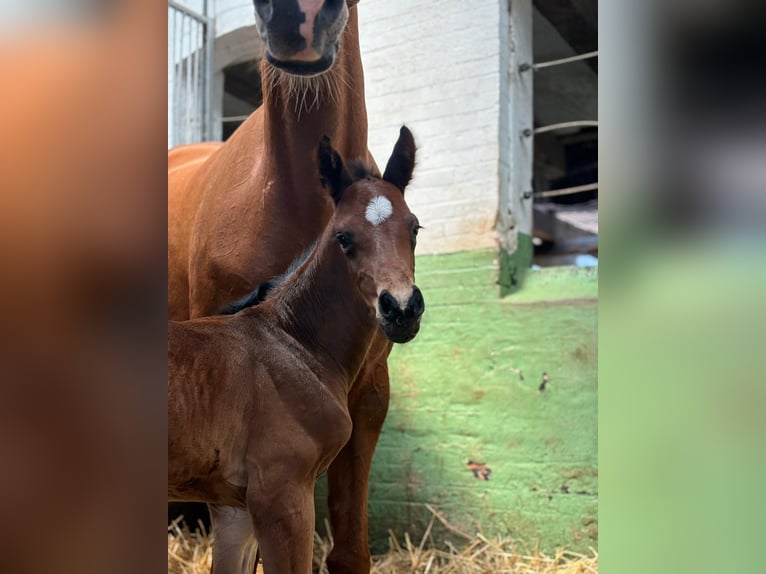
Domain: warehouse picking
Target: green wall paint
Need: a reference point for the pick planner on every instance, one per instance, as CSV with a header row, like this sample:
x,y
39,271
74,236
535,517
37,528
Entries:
x,y
514,266
458,395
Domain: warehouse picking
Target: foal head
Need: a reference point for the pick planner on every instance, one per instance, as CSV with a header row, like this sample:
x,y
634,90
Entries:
x,y
377,232
301,37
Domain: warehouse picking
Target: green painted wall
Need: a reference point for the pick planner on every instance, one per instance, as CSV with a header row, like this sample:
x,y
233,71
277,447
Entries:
x,y
467,389
514,266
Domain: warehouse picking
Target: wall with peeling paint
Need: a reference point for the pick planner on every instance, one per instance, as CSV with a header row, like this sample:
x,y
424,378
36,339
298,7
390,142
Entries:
x,y
468,389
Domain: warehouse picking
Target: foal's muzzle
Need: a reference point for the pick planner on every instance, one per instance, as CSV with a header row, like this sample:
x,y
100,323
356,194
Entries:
x,y
401,324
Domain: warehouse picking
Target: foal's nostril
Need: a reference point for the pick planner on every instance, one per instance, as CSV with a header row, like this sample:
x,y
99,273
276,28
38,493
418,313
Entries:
x,y
416,305
387,304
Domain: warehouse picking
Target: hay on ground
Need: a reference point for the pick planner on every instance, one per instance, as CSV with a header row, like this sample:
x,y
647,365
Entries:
x,y
191,553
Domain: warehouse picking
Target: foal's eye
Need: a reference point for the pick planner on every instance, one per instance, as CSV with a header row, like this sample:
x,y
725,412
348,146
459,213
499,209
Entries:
x,y
415,230
344,240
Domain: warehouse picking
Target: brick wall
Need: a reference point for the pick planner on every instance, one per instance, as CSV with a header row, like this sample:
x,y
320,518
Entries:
x,y
435,65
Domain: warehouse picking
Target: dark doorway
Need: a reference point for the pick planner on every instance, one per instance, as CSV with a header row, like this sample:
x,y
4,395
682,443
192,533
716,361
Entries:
x,y
241,94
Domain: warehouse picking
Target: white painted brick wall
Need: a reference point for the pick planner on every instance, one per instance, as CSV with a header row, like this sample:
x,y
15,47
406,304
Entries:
x,y
435,65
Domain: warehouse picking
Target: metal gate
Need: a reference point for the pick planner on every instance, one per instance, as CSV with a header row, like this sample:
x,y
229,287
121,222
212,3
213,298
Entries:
x,y
191,37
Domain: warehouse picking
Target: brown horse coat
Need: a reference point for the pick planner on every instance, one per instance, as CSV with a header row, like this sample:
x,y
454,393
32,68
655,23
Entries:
x,y
240,212
258,401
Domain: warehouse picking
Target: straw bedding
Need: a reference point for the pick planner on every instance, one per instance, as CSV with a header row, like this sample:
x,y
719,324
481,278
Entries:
x,y
190,553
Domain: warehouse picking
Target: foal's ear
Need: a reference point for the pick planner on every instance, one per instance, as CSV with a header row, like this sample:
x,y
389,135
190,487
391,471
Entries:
x,y
402,161
332,171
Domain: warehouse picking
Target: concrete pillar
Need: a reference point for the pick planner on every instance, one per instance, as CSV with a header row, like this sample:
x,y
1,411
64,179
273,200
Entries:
x,y
514,222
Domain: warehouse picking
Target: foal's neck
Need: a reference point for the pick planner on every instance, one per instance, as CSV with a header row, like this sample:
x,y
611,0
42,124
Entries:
x,y
321,306
334,106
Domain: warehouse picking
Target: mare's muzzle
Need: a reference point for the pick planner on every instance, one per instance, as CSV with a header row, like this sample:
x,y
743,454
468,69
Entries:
x,y
401,324
300,41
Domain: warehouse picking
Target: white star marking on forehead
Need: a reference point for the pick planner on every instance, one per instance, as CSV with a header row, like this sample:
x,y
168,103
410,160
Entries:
x,y
378,210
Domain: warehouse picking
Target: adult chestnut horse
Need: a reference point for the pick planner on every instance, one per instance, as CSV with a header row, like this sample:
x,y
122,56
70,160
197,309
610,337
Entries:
x,y
240,212
258,401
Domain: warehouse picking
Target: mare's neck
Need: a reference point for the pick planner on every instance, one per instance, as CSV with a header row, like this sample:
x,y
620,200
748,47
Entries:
x,y
295,123
320,305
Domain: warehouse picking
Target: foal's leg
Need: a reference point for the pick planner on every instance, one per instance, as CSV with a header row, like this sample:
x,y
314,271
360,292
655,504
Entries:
x,y
283,518
349,473
233,540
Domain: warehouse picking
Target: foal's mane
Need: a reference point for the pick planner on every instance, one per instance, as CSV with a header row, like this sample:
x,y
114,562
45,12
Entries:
x,y
262,291
358,169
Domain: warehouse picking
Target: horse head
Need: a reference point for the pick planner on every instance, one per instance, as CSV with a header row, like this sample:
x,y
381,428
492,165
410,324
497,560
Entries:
x,y
377,232
302,37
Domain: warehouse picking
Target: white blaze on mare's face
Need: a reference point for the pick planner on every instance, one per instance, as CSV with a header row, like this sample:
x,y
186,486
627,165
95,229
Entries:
x,y
310,9
378,210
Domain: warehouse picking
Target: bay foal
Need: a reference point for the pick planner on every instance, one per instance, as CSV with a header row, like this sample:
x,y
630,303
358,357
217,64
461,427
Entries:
x,y
258,401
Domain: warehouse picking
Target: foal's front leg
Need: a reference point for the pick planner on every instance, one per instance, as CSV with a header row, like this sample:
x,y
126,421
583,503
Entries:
x,y
283,520
349,473
233,540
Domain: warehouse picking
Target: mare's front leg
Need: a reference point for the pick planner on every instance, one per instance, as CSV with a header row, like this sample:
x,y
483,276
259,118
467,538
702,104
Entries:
x,y
234,546
349,473
283,518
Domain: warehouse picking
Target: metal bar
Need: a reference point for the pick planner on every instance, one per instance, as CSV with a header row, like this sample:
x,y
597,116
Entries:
x,y
209,36
566,190
579,57
564,125
235,118
199,64
192,38
189,92
202,62
202,84
203,81
172,87
177,23
179,78
188,11
190,87
193,92
185,75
